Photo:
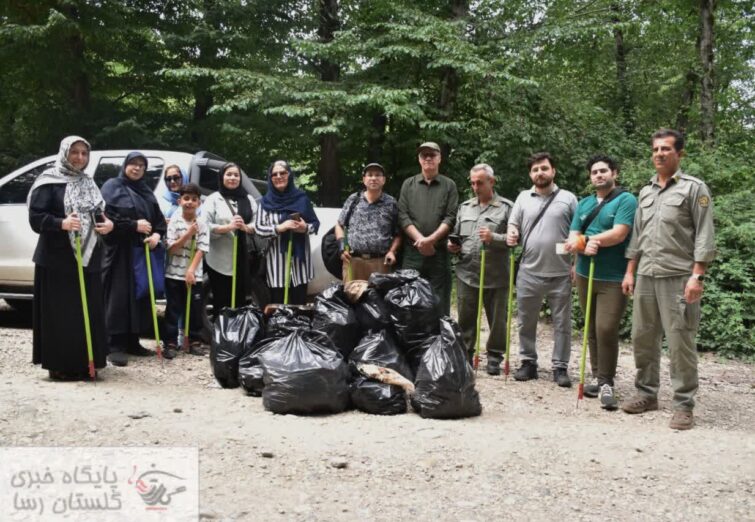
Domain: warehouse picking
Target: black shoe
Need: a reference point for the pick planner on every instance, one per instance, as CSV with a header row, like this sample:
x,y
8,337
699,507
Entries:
x,y
63,377
118,358
170,351
493,367
527,371
561,377
607,398
592,390
139,351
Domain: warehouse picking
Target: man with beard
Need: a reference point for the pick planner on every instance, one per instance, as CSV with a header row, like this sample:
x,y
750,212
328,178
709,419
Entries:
x,y
480,221
600,230
540,219
671,246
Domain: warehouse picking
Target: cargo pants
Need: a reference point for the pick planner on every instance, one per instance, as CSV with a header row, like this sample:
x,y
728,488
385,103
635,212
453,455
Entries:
x,y
494,301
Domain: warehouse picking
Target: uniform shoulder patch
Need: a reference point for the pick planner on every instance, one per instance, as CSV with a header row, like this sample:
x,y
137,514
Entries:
x,y
703,201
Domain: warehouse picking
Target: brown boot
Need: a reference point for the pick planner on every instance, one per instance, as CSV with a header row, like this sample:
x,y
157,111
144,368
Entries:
x,y
682,420
640,404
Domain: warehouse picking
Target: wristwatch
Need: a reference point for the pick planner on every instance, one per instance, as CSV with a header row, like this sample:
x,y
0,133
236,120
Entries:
x,y
699,277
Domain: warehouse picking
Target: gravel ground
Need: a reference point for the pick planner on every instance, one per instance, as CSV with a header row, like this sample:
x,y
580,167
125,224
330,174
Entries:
x,y
532,454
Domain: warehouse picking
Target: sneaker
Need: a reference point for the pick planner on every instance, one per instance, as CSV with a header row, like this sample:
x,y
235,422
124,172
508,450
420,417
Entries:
x,y
607,398
561,377
682,420
493,367
592,390
527,371
195,348
118,358
170,351
139,351
640,404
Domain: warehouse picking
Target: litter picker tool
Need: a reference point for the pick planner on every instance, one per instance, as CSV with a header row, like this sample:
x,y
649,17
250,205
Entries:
x,y
233,277
479,306
346,248
289,252
85,308
148,259
583,357
508,315
188,298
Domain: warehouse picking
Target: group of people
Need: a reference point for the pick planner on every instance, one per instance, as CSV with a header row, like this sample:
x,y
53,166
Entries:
x,y
110,232
655,247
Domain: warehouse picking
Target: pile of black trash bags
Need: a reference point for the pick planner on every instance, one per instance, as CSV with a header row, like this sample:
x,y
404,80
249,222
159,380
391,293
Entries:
x,y
333,358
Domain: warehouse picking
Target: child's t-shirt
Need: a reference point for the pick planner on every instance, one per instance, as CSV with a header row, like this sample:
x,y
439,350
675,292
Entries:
x,y
180,261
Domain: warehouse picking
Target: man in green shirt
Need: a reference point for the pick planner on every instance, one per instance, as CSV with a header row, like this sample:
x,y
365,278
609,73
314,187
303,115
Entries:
x,y
481,221
600,231
671,246
426,214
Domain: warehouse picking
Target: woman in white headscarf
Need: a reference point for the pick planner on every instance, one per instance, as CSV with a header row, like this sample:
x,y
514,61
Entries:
x,y
63,202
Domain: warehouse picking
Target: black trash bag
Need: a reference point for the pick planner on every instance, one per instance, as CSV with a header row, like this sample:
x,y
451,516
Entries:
x,y
381,349
377,398
235,331
384,283
334,317
444,386
372,312
250,368
414,312
334,290
286,320
304,374
414,353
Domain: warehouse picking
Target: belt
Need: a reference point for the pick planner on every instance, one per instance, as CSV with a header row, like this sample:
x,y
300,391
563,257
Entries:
x,y
367,256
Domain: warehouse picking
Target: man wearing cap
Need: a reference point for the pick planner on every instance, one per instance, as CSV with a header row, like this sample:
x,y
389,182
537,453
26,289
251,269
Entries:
x,y
481,221
427,213
371,220
671,246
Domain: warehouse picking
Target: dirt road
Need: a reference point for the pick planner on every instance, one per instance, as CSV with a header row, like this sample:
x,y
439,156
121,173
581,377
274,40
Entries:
x,y
531,454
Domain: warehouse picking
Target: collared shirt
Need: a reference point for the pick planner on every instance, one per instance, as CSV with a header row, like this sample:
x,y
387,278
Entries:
x,y
470,218
610,263
179,262
673,227
372,226
539,257
427,205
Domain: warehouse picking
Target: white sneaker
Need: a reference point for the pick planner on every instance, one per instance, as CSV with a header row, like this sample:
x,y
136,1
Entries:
x,y
607,398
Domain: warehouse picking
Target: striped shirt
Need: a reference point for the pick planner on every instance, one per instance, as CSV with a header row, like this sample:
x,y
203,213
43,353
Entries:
x,y
301,271
179,262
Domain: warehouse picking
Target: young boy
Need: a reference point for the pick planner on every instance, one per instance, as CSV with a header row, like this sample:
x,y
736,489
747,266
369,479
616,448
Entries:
x,y
182,271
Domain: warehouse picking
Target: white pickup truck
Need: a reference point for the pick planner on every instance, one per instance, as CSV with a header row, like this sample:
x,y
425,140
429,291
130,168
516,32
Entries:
x,y
18,239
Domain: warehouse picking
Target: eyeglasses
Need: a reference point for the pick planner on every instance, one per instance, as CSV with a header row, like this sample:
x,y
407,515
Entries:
x,y
427,155
279,174
171,179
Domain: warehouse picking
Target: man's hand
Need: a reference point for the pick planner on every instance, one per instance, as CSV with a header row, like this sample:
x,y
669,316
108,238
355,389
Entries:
x,y
71,223
486,235
192,230
693,292
512,236
592,247
390,258
627,285
425,246
346,256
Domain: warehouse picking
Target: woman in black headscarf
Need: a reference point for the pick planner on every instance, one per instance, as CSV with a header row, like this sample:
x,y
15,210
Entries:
x,y
287,214
228,211
133,208
64,202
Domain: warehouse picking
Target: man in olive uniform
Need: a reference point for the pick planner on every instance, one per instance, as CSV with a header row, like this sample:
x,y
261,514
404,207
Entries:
x,y
482,220
426,214
671,246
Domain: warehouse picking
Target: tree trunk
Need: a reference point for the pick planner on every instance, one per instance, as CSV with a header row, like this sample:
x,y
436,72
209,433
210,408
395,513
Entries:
x,y
377,138
624,93
80,90
449,84
688,95
707,101
329,167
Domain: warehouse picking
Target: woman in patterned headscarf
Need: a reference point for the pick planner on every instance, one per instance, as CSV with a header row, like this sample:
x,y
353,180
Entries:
x,y
64,201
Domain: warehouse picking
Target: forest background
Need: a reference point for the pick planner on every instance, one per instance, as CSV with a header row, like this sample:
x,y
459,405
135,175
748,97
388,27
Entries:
x,y
330,85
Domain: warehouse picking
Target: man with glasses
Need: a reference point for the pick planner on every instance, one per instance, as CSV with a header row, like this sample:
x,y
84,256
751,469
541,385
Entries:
x,y
481,221
371,220
426,213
